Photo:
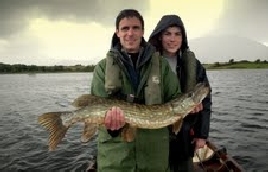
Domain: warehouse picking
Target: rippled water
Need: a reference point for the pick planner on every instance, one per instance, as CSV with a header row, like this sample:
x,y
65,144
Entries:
x,y
239,121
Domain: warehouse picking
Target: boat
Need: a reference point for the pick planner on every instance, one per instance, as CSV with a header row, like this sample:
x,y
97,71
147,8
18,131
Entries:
x,y
212,159
208,159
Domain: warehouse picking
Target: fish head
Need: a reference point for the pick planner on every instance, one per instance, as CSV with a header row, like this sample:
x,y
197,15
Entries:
x,y
201,91
188,101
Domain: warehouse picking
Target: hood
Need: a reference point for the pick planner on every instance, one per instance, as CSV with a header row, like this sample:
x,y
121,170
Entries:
x,y
115,41
165,22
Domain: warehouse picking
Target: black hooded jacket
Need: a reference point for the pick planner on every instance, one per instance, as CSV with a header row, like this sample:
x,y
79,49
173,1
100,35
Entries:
x,y
181,147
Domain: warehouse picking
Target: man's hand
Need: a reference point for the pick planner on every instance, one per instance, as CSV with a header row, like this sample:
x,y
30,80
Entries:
x,y
199,143
114,119
198,108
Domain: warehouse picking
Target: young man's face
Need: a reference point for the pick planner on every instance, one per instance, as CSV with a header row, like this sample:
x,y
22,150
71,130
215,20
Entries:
x,y
171,40
130,33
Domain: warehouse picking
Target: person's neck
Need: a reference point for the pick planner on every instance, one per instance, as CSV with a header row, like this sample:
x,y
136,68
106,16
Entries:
x,y
168,54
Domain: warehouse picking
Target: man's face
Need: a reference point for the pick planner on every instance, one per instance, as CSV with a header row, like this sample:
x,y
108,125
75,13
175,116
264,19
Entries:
x,y
130,33
172,40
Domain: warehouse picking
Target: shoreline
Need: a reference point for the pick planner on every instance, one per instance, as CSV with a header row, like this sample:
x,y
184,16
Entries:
x,y
34,69
71,72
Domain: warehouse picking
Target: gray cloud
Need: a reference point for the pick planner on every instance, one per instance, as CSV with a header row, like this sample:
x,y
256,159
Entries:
x,y
14,14
246,18
12,17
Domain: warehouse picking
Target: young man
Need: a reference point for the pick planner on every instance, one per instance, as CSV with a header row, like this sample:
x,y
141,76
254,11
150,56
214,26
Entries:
x,y
134,71
170,39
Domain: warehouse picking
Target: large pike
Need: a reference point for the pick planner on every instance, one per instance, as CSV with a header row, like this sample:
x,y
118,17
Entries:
x,y
93,110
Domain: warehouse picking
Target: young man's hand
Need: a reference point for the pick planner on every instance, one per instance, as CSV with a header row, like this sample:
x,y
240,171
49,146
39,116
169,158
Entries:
x,y
198,108
199,143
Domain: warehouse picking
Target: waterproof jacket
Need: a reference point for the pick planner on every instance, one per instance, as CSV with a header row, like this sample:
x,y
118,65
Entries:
x,y
181,147
150,149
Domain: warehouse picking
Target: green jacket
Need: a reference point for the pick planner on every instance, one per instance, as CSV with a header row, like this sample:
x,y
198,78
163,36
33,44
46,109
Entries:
x,y
149,151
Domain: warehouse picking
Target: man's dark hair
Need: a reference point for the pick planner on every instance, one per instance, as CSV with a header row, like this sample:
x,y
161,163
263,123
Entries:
x,y
129,13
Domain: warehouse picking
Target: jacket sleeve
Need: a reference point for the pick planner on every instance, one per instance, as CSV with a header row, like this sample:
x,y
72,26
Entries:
x,y
201,127
171,86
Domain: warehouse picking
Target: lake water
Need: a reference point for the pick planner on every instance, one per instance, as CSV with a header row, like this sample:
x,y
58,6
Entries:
x,y
239,120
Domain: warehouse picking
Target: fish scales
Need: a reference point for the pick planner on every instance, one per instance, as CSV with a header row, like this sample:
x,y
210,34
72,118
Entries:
x,y
92,114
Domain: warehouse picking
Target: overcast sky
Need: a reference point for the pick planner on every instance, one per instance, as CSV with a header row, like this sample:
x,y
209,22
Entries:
x,y
245,17
63,31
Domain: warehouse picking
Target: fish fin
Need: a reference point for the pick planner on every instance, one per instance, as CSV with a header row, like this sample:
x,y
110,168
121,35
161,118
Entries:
x,y
129,133
53,123
88,132
82,101
176,127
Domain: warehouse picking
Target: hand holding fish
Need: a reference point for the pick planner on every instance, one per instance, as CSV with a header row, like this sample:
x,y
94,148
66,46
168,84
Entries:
x,y
114,119
197,108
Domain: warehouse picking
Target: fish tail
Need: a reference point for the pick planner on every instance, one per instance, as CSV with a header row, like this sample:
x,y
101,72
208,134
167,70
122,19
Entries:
x,y
53,123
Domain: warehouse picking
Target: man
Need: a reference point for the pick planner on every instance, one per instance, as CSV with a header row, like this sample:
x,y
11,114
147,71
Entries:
x,y
170,39
134,71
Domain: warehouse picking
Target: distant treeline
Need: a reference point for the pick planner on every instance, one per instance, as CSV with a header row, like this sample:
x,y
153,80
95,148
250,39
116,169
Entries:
x,y
232,61
20,68
232,64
